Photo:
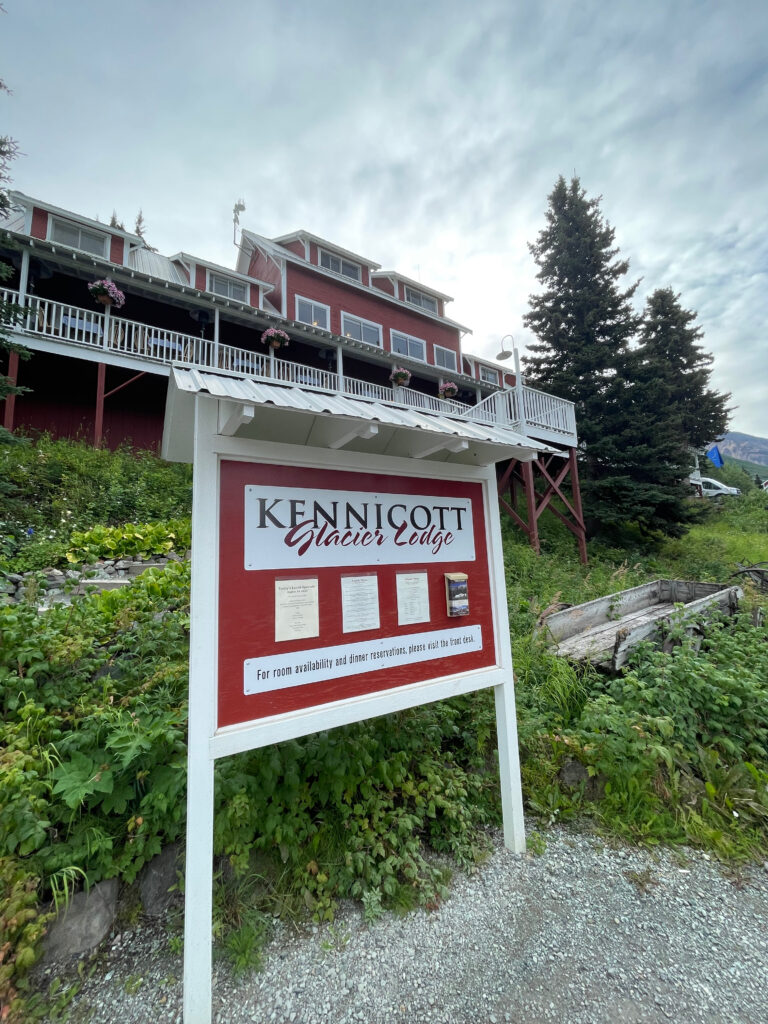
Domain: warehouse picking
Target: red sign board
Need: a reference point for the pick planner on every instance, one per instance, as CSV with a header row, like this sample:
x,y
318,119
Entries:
x,y
332,584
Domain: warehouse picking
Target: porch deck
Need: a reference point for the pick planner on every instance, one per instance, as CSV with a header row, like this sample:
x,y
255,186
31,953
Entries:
x,y
49,325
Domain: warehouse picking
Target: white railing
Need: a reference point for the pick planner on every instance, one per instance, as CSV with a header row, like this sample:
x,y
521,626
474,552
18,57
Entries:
x,y
85,327
499,408
543,410
110,333
540,411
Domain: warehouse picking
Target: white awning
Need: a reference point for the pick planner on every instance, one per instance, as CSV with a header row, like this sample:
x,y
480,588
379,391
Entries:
x,y
314,419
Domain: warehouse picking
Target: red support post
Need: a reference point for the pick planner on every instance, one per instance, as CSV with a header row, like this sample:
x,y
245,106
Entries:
x,y
10,401
530,500
581,533
98,426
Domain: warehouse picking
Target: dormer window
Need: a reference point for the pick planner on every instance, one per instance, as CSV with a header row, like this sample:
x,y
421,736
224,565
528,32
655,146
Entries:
x,y
339,266
420,299
226,286
66,233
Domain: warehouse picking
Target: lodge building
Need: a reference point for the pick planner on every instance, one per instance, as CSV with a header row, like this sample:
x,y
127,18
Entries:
x,y
102,372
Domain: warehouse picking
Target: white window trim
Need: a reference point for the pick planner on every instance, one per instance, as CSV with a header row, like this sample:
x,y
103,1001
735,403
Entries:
x,y
225,277
442,348
341,259
52,221
420,305
365,323
312,302
411,337
489,369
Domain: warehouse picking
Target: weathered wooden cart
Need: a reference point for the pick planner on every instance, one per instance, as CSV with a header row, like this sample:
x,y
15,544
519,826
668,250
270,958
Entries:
x,y
603,631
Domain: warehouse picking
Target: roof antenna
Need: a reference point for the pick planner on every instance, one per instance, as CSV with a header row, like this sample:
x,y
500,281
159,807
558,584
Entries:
x,y
236,211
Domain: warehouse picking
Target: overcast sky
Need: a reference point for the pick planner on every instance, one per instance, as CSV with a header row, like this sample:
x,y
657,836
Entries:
x,y
424,135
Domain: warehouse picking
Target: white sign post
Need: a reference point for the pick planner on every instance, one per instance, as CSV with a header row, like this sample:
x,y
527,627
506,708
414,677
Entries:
x,y
401,546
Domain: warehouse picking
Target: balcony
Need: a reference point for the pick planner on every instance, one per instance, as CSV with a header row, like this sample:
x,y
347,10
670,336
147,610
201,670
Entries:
x,y
46,323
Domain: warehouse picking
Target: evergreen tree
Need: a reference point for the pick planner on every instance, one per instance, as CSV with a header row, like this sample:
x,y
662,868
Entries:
x,y
584,322
671,353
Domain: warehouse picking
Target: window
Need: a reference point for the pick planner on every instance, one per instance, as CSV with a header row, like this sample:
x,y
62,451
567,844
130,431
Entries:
x,y
420,299
488,375
405,345
314,313
225,286
339,266
445,357
361,330
79,238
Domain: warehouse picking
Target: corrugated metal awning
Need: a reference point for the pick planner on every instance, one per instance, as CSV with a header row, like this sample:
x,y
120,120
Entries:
x,y
291,415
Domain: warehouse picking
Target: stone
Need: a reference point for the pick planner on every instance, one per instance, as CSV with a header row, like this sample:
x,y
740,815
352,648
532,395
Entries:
x,y
84,923
156,879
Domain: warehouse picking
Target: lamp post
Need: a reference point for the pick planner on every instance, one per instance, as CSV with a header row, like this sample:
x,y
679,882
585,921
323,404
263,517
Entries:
x,y
506,353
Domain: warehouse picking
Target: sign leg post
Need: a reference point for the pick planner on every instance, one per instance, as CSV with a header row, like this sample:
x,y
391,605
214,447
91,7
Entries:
x,y
509,768
198,894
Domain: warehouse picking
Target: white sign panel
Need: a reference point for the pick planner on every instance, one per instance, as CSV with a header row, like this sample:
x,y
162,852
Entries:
x,y
300,527
278,671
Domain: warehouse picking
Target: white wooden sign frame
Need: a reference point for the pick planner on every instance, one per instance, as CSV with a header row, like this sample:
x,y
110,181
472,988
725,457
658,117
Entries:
x,y
206,743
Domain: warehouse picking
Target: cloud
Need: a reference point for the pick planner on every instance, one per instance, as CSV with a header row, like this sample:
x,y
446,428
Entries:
x,y
424,136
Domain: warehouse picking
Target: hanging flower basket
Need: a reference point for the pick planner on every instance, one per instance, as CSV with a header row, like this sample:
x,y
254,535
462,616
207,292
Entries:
x,y
275,338
448,389
107,293
400,377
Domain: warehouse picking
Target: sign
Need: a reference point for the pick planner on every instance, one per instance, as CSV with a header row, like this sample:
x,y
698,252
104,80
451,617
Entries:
x,y
319,599
319,578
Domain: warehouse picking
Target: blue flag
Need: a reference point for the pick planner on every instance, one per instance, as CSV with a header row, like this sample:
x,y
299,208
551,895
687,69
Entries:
x,y
715,457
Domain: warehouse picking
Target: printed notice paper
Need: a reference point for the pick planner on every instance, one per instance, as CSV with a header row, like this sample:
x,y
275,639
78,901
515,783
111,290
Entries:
x,y
359,603
297,614
412,598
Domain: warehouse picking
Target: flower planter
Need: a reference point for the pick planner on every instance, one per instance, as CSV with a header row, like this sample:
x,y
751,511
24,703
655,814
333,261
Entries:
x,y
275,344
105,300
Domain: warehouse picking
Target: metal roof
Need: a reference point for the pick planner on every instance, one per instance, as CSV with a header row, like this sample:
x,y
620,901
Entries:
x,y
155,265
317,419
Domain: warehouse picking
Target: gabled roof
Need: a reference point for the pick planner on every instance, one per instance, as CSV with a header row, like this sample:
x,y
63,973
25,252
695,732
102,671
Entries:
x,y
275,251
301,235
394,275
219,269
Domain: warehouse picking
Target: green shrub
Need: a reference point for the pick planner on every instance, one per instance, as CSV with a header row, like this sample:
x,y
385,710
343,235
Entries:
x,y
131,540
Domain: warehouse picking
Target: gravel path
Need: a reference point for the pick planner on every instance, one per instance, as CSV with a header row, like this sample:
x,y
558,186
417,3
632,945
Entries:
x,y
583,933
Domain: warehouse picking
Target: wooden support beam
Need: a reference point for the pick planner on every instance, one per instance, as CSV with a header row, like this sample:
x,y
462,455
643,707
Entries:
x,y
433,445
98,425
231,419
337,433
10,401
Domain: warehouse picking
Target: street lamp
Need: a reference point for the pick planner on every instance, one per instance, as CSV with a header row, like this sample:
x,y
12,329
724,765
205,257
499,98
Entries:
x,y
505,353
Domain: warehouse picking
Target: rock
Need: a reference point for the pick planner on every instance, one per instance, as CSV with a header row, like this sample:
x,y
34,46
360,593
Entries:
x,y
84,923
156,879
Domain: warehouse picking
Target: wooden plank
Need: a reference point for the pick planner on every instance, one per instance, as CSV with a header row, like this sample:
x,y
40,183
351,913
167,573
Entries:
x,y
725,600
597,644
610,609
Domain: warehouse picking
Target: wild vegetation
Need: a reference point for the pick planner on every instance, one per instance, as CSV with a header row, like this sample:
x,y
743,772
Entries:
x,y
93,705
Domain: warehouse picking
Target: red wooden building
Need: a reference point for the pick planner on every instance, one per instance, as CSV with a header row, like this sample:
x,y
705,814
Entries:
x,y
101,372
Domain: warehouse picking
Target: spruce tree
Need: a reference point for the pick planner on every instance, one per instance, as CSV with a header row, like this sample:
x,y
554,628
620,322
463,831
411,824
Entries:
x,y
671,354
584,321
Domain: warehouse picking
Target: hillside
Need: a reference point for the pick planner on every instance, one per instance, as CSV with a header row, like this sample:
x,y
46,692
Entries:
x,y
745,448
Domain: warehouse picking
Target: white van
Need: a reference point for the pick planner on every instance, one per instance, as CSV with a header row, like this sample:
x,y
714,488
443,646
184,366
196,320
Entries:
x,y
711,488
